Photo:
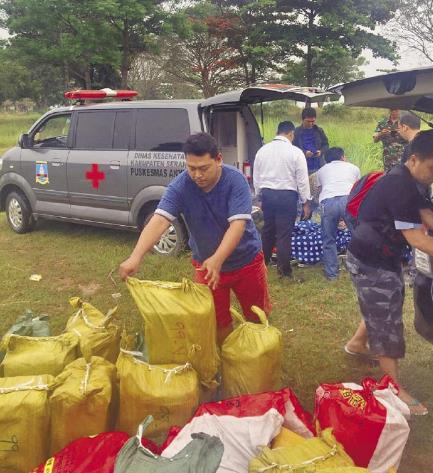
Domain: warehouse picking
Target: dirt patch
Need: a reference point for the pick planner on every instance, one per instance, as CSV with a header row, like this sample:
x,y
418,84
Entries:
x,y
89,289
65,283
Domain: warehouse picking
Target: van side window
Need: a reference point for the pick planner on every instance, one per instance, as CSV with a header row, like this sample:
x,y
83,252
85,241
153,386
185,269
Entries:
x,y
53,133
122,129
161,129
95,129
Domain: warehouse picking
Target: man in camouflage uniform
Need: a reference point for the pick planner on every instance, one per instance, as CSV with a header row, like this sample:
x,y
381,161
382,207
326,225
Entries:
x,y
393,144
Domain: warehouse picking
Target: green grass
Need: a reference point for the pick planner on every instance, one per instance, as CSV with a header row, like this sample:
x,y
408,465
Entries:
x,y
11,125
353,133
316,318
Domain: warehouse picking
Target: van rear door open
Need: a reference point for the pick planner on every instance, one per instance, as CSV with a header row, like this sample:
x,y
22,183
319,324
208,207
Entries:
x,y
230,120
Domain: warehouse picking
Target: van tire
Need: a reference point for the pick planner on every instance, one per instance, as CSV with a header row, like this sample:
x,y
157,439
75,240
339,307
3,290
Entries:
x,y
174,240
19,213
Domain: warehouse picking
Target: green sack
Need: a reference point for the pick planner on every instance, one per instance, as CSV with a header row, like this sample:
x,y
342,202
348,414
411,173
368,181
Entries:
x,y
28,325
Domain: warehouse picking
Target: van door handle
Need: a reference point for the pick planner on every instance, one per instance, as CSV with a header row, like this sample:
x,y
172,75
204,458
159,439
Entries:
x,y
114,164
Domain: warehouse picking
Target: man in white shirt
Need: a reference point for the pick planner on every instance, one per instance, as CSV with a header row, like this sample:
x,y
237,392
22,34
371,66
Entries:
x,y
281,177
335,180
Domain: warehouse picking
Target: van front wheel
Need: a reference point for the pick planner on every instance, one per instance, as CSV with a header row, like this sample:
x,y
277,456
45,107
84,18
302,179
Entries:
x,y
173,241
18,213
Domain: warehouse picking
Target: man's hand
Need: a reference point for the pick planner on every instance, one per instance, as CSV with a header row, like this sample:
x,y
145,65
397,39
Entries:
x,y
150,234
306,211
318,153
212,266
308,154
129,267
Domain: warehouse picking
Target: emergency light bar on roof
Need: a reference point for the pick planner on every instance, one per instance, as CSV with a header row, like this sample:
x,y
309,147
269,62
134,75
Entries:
x,y
100,94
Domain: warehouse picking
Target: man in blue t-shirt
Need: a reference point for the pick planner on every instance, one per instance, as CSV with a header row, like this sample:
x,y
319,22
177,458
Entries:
x,y
311,139
215,201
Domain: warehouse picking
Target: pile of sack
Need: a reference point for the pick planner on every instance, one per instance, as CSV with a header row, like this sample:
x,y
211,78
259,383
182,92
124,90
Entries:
x,y
89,401
359,429
307,242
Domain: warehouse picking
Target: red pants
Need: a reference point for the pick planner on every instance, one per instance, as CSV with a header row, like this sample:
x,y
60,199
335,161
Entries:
x,y
250,284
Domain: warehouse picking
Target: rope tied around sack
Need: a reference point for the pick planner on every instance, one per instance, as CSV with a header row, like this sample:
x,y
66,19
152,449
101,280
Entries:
x,y
85,381
169,372
289,467
25,387
81,313
173,371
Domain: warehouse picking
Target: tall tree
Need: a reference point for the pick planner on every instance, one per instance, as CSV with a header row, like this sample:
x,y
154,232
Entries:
x,y
203,56
330,66
82,38
275,31
245,23
137,24
413,26
61,33
305,28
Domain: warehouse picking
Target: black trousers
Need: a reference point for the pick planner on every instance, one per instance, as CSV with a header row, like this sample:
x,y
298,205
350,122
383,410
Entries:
x,y
279,213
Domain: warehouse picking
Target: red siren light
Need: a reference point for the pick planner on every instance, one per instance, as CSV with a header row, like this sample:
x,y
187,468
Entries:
x,y
99,94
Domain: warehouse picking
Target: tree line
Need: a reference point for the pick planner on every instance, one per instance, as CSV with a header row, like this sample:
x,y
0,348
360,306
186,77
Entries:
x,y
170,49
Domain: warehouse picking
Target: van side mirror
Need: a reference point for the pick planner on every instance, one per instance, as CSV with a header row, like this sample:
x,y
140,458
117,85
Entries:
x,y
24,141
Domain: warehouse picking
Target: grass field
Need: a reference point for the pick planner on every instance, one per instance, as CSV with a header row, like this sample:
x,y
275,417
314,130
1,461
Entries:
x,y
11,125
316,317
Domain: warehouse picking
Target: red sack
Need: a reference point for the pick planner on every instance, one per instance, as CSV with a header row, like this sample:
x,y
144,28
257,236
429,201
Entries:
x,y
358,193
368,420
284,401
89,454
244,424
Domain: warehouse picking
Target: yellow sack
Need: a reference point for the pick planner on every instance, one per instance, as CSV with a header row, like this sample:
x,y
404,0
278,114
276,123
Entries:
x,y
314,454
27,356
81,401
286,438
344,469
96,332
170,393
180,324
24,422
251,357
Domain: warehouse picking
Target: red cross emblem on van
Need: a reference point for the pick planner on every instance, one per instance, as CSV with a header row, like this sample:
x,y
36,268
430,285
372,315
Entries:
x,y
95,175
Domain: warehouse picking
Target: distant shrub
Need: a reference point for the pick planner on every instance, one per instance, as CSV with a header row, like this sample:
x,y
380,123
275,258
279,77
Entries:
x,y
336,110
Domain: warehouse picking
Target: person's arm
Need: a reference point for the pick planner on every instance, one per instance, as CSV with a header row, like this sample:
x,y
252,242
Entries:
x,y
377,137
324,144
230,241
303,183
238,213
297,139
427,218
169,208
315,193
417,238
150,234
301,175
380,132
256,174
